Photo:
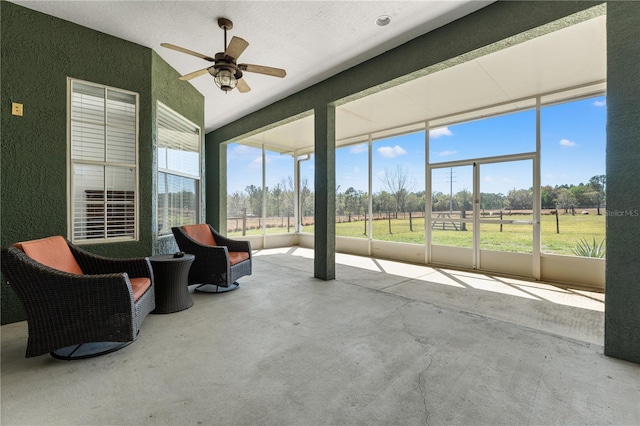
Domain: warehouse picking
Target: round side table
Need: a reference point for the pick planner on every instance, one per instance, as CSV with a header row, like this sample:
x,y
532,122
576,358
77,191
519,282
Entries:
x,y
171,280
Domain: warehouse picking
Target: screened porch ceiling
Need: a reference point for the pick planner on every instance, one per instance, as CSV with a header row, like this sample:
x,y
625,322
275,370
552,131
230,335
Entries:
x,y
557,66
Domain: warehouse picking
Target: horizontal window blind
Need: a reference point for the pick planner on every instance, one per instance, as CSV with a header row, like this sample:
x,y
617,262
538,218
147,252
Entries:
x,y
103,153
178,143
178,170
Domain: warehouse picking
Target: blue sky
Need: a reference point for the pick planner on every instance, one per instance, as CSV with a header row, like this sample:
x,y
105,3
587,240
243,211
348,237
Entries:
x,y
573,150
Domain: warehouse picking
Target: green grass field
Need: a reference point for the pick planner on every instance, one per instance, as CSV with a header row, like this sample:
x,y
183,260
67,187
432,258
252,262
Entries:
x,y
513,238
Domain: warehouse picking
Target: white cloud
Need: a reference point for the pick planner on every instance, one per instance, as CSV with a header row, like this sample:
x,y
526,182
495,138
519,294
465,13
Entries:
x,y
447,153
489,179
242,149
441,131
359,149
391,152
567,142
356,170
600,103
256,163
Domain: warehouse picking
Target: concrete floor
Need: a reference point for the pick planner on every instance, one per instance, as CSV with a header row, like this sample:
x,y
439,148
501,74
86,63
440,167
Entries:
x,y
384,343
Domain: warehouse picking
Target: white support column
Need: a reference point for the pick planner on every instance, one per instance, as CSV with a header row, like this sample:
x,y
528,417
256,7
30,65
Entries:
x,y
370,206
297,216
476,216
264,196
536,199
428,201
296,192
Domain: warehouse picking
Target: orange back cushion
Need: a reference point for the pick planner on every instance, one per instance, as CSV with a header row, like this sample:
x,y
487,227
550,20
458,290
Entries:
x,y
53,252
201,233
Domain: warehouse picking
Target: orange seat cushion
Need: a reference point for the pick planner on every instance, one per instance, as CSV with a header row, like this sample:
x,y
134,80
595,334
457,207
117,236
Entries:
x,y
53,252
201,233
139,286
237,257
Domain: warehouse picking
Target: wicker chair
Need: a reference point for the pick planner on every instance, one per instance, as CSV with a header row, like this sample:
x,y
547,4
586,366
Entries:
x,y
219,262
78,304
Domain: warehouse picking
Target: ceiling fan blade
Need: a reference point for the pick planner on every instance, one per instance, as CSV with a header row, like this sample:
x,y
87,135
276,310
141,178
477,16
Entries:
x,y
236,47
242,86
187,51
260,69
195,74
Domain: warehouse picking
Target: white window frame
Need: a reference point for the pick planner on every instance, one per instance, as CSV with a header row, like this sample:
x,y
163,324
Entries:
x,y
72,162
187,126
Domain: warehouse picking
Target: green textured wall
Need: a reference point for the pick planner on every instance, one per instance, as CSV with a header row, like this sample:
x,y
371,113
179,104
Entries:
x,y
38,53
622,301
35,67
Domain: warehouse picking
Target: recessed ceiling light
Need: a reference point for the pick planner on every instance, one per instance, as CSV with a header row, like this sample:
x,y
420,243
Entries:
x,y
383,20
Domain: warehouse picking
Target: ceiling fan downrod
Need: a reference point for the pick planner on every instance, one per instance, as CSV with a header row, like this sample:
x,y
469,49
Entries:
x,y
225,24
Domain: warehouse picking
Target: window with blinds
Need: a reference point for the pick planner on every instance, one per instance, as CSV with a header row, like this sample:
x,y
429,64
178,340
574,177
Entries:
x,y
178,170
103,163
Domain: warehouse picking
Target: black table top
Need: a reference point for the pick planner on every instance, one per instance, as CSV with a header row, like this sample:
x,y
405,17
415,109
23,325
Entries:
x,y
170,258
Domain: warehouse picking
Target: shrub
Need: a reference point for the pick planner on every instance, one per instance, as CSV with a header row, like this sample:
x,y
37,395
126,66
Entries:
x,y
585,249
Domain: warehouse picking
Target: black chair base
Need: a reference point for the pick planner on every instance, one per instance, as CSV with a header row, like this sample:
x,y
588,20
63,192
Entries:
x,y
212,288
88,350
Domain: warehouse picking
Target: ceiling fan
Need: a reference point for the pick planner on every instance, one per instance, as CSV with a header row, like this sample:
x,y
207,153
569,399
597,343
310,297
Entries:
x,y
226,73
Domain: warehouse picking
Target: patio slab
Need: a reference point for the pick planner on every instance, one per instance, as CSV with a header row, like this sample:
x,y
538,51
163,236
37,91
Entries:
x,y
286,348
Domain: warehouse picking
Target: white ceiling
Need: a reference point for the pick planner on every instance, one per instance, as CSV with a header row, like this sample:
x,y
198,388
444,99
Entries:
x,y
312,40
506,80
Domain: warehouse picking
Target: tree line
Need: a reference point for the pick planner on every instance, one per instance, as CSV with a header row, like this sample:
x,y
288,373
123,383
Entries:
x,y
398,197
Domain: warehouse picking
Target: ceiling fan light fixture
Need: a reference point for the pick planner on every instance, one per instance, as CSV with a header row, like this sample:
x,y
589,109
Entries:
x,y
225,80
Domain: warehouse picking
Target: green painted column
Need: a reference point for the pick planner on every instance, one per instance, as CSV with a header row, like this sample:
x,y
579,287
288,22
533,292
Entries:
x,y
622,298
325,192
216,185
